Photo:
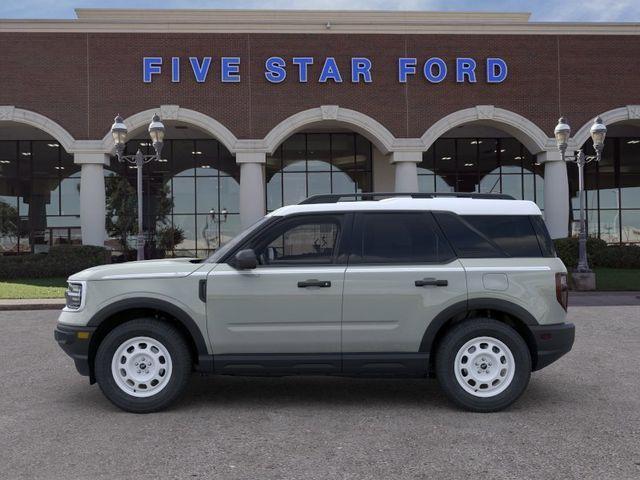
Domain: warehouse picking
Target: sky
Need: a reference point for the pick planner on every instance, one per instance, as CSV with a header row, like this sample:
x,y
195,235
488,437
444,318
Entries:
x,y
542,10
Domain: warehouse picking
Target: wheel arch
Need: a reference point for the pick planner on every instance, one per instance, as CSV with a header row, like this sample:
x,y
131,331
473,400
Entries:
x,y
122,311
504,311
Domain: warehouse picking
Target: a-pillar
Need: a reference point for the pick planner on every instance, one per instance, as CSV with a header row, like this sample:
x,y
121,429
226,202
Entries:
x,y
92,196
406,166
556,193
252,195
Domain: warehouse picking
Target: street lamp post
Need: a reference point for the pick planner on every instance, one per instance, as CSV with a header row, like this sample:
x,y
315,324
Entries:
x,y
598,132
156,132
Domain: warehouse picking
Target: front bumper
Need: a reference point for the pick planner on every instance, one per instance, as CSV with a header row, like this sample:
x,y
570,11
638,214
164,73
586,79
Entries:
x,y
75,341
552,342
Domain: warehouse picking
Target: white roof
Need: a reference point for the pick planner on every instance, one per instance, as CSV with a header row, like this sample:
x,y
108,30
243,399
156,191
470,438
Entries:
x,y
461,206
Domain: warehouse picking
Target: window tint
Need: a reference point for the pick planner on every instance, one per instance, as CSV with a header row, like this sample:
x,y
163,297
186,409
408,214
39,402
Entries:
x,y
304,242
401,238
546,244
514,234
467,241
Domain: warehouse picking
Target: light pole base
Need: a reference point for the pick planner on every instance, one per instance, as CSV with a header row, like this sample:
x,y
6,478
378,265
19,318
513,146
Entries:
x,y
583,281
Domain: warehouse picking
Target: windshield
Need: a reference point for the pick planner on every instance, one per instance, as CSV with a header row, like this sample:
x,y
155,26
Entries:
x,y
235,241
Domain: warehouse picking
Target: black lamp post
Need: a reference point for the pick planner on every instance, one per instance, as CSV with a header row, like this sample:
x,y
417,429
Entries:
x,y
156,132
598,132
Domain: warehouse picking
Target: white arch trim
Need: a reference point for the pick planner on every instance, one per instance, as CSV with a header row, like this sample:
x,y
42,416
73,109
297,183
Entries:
x,y
621,114
175,112
382,138
531,136
10,113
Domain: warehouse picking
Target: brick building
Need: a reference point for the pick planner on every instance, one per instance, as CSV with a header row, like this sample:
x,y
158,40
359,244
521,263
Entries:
x,y
264,108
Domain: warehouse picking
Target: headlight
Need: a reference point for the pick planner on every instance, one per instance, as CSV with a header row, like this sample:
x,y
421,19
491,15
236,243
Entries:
x,y
74,295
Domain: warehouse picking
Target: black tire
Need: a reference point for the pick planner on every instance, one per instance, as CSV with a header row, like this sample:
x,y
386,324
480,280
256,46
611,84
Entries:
x,y
456,338
181,364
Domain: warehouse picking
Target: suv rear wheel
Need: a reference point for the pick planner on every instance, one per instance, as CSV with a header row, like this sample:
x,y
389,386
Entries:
x,y
483,365
143,365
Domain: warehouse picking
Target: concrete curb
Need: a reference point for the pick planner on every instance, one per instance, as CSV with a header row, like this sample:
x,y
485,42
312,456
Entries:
x,y
32,304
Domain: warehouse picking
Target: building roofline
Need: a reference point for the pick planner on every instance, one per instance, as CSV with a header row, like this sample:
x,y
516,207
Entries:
x,y
310,21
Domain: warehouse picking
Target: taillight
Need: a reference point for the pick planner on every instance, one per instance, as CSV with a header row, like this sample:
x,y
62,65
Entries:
x,y
562,289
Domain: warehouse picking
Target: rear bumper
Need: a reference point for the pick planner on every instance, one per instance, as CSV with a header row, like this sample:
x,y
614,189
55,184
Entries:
x,y
552,342
75,343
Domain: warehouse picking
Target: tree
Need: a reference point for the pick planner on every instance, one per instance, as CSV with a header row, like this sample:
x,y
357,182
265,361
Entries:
x,y
122,209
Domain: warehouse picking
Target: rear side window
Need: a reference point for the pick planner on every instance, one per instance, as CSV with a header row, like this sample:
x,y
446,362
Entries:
x,y
513,234
397,237
546,244
467,240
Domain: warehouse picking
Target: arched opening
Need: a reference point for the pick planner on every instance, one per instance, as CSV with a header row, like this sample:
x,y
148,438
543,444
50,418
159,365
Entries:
x,y
318,160
612,186
190,196
483,158
39,190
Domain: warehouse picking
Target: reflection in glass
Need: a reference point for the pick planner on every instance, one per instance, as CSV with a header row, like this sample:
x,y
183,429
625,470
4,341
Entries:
x,y
317,163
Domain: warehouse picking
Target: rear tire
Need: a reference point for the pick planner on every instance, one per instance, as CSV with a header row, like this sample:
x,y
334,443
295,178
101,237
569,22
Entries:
x,y
143,365
483,365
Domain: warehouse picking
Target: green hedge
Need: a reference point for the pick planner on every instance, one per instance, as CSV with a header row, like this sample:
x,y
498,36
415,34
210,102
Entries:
x,y
599,253
61,261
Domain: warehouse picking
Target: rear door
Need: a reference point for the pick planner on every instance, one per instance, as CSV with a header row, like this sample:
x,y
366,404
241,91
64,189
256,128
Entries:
x,y
401,274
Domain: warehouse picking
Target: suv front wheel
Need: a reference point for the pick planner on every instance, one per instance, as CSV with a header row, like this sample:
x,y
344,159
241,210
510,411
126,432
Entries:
x,y
143,365
483,365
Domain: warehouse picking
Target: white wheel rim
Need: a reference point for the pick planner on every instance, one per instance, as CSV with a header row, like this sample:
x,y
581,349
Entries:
x,y
484,367
141,367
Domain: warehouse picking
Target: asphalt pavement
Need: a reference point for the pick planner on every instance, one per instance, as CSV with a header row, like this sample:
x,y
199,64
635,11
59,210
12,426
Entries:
x,y
579,418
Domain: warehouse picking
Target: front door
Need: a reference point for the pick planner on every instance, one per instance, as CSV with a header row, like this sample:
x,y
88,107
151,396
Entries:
x,y
402,273
287,311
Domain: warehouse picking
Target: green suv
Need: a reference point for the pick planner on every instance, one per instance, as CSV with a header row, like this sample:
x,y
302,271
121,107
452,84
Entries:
x,y
464,288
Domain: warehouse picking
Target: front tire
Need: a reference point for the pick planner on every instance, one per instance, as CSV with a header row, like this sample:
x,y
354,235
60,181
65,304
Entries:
x,y
143,365
483,365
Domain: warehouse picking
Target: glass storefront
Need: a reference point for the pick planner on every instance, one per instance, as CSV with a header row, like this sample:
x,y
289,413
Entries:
x,y
193,190
485,165
612,189
314,163
39,196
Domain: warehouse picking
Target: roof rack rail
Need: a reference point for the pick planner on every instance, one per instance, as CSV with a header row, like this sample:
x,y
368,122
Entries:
x,y
337,197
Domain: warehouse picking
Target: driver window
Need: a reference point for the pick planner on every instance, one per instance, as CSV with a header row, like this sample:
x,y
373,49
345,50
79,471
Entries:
x,y
303,243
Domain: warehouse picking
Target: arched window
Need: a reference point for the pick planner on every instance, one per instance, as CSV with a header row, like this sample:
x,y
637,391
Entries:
x,y
39,196
315,163
485,165
191,197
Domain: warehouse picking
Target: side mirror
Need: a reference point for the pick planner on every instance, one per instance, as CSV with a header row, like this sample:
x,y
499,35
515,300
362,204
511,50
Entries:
x,y
245,260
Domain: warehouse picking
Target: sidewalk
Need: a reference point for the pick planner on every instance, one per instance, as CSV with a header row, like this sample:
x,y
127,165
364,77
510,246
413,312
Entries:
x,y
576,299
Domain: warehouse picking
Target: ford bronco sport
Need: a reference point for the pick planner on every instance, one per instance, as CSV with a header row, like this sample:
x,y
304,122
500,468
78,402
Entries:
x,y
466,288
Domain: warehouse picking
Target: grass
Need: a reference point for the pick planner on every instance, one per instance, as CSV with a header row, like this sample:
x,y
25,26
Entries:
x,y
33,288
619,279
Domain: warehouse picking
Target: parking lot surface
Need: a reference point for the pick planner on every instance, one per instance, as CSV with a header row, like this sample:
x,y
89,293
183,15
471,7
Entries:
x,y
579,418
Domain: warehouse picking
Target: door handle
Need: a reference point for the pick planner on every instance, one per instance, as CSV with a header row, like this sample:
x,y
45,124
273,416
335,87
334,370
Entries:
x,y
314,283
431,282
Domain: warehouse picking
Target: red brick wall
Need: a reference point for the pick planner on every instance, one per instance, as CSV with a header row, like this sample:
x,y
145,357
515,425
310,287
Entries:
x,y
82,80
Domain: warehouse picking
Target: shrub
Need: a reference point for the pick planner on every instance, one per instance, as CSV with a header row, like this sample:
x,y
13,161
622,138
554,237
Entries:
x,y
61,261
618,256
567,249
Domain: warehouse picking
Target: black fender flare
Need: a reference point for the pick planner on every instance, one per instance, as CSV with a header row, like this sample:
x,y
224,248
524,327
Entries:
x,y
155,304
464,307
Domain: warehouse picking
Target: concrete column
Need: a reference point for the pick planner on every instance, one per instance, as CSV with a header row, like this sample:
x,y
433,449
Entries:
x,y
406,164
92,197
556,194
252,193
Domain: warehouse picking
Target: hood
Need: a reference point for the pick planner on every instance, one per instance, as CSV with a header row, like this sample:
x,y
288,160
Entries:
x,y
165,268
